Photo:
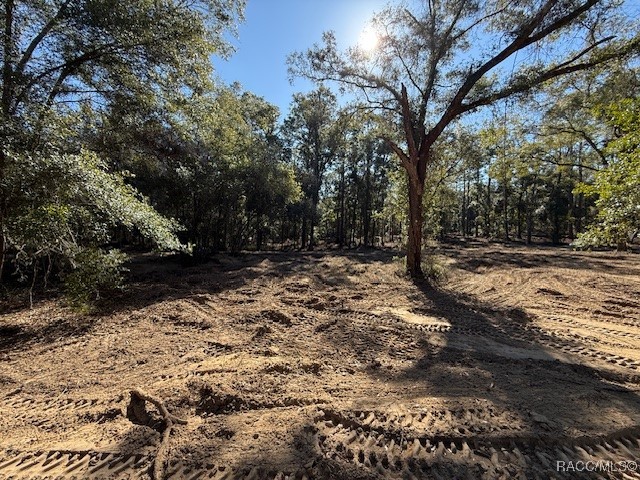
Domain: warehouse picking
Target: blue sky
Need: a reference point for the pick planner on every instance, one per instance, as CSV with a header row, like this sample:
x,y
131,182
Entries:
x,y
275,28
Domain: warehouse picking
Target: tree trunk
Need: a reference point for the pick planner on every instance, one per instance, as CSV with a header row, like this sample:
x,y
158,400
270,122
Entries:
x,y
259,232
505,208
7,92
315,199
341,214
520,204
366,215
414,243
303,240
463,213
580,212
488,219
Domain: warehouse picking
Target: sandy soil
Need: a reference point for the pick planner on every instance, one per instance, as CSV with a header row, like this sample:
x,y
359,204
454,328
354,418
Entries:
x,y
333,365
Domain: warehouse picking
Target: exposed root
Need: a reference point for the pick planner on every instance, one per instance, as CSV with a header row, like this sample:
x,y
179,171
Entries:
x,y
137,413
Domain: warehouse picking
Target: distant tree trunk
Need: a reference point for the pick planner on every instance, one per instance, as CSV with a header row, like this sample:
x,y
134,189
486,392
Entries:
x,y
519,226
259,232
572,211
478,202
556,235
466,201
303,240
312,226
341,212
354,224
505,208
529,225
580,201
488,210
366,216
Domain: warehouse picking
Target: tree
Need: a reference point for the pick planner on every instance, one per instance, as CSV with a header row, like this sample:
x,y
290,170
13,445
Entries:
x,y
314,135
64,206
442,59
617,186
65,60
357,185
216,164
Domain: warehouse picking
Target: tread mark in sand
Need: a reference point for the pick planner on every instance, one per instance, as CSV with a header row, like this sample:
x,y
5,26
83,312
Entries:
x,y
73,464
509,330
590,326
17,402
386,451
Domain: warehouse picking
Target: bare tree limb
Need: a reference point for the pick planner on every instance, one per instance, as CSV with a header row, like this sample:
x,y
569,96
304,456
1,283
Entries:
x,y
39,37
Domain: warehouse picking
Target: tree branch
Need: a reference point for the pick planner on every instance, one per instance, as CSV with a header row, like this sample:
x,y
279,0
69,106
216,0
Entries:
x,y
404,158
520,86
39,37
583,134
524,38
70,65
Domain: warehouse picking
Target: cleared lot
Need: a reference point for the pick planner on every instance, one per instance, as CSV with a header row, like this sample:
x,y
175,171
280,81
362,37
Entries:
x,y
332,365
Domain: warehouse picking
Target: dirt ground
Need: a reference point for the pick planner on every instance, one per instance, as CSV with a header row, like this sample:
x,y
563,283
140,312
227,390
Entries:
x,y
332,365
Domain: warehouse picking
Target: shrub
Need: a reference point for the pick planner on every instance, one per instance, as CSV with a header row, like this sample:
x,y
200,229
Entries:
x,y
94,273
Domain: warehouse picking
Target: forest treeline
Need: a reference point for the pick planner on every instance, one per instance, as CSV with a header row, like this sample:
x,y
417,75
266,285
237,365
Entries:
x,y
115,133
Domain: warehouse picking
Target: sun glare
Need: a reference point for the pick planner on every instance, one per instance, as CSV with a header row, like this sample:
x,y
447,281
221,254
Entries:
x,y
368,40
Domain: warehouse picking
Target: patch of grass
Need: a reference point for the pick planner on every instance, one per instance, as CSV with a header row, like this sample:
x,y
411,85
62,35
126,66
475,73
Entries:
x,y
433,268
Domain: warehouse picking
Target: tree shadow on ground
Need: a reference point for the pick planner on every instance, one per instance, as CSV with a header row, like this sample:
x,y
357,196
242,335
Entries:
x,y
153,279
474,256
535,390
17,336
559,401
540,405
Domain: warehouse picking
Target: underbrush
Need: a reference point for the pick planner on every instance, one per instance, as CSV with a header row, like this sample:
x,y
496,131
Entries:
x,y
433,268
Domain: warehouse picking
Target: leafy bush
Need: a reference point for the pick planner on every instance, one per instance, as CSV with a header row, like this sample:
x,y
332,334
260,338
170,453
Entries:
x,y
64,207
432,268
94,272
618,185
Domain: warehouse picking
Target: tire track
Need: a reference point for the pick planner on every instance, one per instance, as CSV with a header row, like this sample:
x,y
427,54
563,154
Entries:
x,y
396,453
53,415
179,471
74,465
534,334
591,326
16,402
578,336
468,421
628,318
505,330
372,319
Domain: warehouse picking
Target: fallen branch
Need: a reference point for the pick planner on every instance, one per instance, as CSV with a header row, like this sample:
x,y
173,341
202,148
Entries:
x,y
137,413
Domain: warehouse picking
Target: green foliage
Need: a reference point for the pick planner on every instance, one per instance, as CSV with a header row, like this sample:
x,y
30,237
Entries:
x,y
356,187
64,208
313,132
78,80
94,272
434,270
215,163
62,201
423,74
617,186
101,49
